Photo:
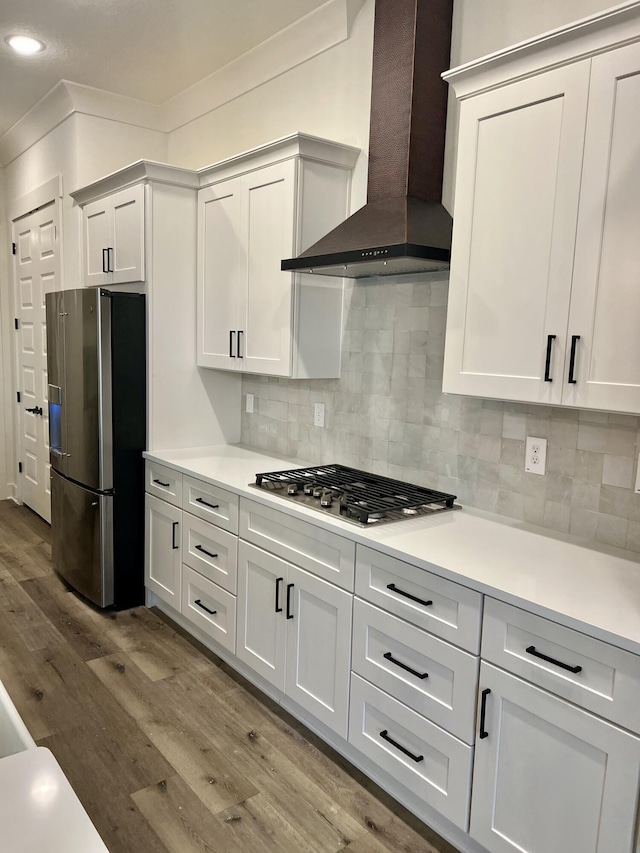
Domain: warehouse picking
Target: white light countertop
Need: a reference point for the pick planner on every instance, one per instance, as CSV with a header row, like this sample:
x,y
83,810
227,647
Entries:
x,y
579,584
39,810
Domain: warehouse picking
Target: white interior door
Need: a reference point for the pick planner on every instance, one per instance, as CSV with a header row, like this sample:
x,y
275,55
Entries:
x,y
35,274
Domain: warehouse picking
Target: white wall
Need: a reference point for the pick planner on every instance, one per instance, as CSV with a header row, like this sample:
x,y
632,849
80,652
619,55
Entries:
x,y
80,149
327,96
481,27
6,429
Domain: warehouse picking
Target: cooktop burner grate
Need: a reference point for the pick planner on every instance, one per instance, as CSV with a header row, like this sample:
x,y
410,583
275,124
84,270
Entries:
x,y
355,495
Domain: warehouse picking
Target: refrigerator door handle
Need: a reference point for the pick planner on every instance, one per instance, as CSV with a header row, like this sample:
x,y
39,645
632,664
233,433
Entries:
x,y
55,427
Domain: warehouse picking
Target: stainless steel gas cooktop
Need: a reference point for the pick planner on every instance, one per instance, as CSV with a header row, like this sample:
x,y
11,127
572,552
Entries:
x,y
353,495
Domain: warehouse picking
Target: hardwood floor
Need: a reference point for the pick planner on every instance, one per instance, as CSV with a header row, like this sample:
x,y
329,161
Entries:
x,y
167,748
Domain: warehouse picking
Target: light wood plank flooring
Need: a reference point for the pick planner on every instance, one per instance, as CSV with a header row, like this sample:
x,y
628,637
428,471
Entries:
x,y
167,748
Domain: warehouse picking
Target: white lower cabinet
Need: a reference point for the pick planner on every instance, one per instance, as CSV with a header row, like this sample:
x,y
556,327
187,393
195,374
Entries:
x,y
424,758
163,552
209,607
294,630
518,766
210,551
429,675
548,776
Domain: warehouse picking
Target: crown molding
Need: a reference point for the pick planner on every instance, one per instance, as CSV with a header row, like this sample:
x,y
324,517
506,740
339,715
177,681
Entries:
x,y
141,170
586,37
293,145
50,111
320,30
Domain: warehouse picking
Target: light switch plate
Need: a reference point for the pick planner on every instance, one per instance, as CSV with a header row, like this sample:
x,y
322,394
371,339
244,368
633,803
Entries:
x,y
535,459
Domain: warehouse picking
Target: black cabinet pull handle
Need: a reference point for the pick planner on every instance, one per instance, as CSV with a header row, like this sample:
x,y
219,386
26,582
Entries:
x,y
204,607
160,483
231,334
399,663
211,506
394,588
240,333
289,613
572,359
105,265
109,257
385,736
278,582
531,650
204,551
174,527
547,363
483,713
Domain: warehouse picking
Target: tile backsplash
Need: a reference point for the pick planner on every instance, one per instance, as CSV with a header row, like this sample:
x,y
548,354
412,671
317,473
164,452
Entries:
x,y
387,414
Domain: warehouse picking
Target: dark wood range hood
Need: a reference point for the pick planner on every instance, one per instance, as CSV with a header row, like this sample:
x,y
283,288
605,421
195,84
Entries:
x,y
403,227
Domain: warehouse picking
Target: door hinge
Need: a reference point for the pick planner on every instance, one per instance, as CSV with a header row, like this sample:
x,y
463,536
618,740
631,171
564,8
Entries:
x,y
20,467
16,322
14,249
18,395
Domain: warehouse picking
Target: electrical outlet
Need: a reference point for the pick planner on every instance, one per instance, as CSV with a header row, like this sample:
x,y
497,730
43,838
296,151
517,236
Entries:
x,y
318,414
535,455
250,403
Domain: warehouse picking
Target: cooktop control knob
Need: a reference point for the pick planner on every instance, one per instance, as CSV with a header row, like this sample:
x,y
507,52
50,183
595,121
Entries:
x,y
292,488
317,491
326,499
308,488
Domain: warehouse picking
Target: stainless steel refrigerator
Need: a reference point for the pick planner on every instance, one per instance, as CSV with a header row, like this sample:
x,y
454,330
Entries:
x,y
97,432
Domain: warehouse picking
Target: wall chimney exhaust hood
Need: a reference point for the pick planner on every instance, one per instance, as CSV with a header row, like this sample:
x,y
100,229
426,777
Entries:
x,y
403,227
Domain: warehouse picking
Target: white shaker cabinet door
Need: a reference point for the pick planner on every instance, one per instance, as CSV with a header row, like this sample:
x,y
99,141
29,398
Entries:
x,y
163,551
318,647
126,261
261,620
96,236
548,776
113,238
266,303
516,205
605,307
221,273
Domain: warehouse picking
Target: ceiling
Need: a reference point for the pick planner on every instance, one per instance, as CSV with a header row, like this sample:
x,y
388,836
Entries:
x,y
146,49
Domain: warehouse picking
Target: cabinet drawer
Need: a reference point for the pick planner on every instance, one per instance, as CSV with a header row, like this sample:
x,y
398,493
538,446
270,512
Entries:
x,y
211,503
211,551
442,685
607,683
199,598
324,553
163,482
439,767
444,608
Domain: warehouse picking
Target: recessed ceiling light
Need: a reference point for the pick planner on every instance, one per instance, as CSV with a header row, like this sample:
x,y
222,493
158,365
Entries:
x,y
24,45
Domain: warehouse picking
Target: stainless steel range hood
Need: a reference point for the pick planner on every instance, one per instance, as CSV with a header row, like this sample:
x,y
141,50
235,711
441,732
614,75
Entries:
x,y
403,227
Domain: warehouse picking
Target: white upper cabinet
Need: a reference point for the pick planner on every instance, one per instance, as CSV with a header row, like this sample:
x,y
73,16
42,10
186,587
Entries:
x,y
517,193
605,312
113,238
253,211
543,302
